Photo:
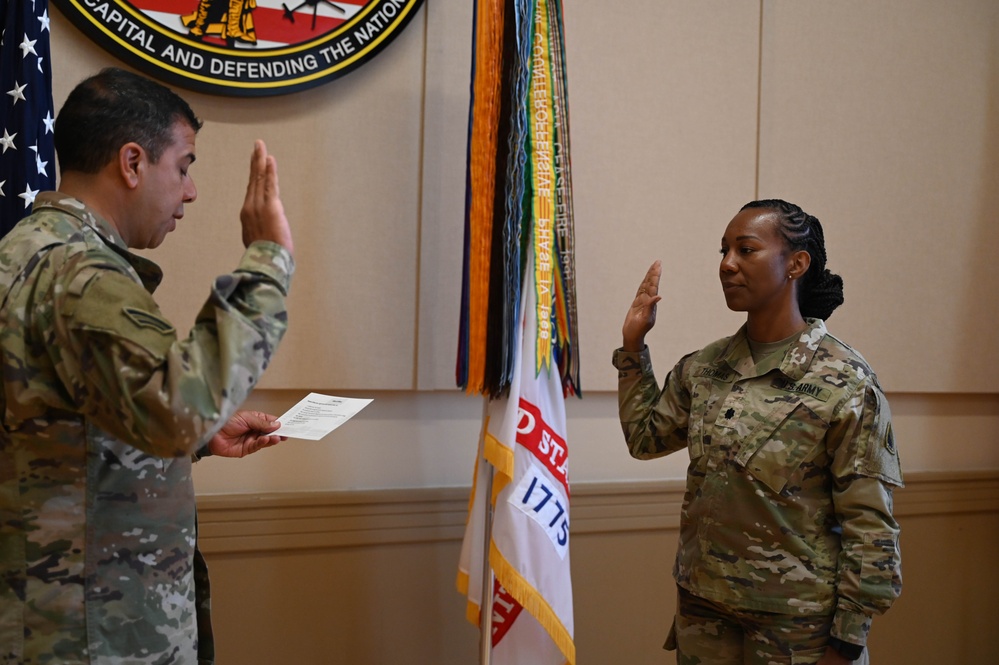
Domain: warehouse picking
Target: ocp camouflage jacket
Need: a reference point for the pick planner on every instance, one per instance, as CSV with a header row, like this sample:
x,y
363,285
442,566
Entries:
x,y
102,407
788,506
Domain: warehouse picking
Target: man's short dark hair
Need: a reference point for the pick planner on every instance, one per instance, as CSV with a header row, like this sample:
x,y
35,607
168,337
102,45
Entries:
x,y
112,108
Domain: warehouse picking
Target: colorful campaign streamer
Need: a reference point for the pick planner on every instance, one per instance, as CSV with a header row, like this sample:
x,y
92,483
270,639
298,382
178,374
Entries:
x,y
518,189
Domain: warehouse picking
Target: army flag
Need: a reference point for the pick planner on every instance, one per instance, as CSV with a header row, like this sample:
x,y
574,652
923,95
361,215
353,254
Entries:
x,y
526,511
517,342
27,153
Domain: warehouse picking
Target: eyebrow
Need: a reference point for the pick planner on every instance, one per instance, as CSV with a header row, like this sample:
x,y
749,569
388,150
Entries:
x,y
744,237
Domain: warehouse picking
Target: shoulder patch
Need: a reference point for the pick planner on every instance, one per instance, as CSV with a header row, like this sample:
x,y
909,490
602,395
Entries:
x,y
144,319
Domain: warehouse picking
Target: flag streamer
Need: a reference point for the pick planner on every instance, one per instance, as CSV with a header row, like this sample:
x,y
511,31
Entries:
x,y
518,333
518,190
480,190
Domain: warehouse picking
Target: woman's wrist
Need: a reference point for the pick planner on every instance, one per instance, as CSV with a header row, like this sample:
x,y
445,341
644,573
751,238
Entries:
x,y
633,347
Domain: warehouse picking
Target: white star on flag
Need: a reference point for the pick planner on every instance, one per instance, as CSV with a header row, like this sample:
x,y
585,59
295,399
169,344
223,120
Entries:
x,y
8,141
28,46
28,195
38,161
18,92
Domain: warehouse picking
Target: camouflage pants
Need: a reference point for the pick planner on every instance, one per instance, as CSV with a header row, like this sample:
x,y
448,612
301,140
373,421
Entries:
x,y
706,633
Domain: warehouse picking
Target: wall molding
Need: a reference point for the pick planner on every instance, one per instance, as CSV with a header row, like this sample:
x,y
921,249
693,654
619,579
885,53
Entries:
x,y
243,523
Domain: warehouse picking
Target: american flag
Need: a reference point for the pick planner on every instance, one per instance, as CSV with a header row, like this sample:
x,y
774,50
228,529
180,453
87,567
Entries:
x,y
27,119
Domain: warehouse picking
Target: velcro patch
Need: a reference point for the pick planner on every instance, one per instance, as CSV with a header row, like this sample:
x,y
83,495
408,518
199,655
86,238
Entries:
x,y
816,392
144,319
714,373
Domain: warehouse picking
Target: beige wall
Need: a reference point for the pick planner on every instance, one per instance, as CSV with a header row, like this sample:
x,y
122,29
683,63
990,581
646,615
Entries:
x,y
680,112
880,118
367,578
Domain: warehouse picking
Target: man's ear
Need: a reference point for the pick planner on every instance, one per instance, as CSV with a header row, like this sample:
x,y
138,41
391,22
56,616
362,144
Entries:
x,y
131,163
799,264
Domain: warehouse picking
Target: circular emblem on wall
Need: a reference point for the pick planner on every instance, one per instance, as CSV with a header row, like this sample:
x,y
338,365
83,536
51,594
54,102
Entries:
x,y
242,47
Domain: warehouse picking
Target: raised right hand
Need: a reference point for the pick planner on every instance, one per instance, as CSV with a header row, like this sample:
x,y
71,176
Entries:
x,y
262,214
641,315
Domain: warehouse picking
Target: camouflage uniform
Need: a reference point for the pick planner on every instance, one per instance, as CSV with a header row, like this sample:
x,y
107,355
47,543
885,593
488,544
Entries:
x,y
102,409
788,507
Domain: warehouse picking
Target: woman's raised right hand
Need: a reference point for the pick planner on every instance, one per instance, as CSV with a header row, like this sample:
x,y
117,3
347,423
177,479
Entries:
x,y
642,313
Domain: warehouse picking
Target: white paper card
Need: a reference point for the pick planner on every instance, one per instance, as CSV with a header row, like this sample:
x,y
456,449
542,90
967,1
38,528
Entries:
x,y
317,415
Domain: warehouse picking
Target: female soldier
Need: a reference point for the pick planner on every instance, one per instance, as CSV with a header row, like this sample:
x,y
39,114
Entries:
x,y
787,544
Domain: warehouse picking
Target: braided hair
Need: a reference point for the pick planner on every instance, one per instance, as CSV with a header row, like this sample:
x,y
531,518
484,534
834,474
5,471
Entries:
x,y
819,291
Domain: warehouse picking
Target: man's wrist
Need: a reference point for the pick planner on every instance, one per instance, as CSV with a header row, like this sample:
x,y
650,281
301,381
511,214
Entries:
x,y
848,650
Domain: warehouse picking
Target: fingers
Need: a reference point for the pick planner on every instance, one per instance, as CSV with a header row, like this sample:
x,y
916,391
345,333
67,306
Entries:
x,y
263,176
650,284
641,316
258,171
258,421
271,179
262,442
262,214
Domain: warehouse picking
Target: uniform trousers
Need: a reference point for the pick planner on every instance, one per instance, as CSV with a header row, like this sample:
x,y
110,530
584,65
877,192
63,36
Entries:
x,y
707,633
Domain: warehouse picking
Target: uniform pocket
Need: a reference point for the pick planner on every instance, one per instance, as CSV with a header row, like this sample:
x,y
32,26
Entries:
x,y
702,397
788,435
695,438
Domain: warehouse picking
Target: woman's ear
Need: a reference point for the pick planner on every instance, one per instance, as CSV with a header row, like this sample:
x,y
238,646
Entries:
x,y
798,264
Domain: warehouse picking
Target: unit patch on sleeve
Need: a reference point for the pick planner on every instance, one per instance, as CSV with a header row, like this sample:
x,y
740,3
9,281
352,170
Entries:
x,y
144,319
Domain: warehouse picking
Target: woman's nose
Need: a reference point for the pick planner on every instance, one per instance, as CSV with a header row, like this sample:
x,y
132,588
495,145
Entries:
x,y
728,263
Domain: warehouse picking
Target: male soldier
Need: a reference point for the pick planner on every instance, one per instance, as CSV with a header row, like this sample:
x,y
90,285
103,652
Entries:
x,y
102,406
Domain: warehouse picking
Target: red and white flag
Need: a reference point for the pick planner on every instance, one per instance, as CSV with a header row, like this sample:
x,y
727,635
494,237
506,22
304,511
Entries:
x,y
523,444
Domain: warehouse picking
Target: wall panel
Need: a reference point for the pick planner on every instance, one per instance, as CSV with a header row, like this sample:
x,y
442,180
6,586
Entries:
x,y
662,100
366,578
349,163
882,119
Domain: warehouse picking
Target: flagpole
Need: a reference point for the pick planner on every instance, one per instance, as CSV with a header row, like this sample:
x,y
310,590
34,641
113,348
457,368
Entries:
x,y
486,602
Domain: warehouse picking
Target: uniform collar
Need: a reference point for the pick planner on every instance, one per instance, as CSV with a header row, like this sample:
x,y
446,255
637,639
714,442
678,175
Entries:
x,y
793,365
150,273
